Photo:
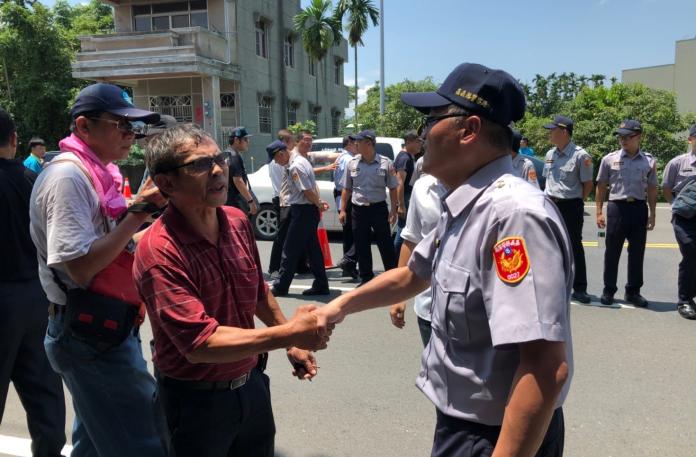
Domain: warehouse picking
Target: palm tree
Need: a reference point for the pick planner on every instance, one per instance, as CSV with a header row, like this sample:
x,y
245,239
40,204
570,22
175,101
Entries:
x,y
359,12
319,30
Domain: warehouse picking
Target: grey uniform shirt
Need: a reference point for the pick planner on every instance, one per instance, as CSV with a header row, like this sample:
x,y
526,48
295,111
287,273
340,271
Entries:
x,y
367,181
301,178
679,170
566,170
629,177
523,168
501,269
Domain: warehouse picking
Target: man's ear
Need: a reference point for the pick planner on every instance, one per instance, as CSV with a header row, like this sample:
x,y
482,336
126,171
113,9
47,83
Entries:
x,y
82,125
470,129
165,183
13,141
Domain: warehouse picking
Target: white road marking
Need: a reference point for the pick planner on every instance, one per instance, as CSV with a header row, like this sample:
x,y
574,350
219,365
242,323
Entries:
x,y
21,447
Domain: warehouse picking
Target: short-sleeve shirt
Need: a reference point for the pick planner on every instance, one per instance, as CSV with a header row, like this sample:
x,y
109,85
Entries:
x,y
190,287
341,165
523,168
679,171
501,266
65,220
275,172
237,170
368,181
527,151
301,178
33,163
629,177
424,211
404,162
566,170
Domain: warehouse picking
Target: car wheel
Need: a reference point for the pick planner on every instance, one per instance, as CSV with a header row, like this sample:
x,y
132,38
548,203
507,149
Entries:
x,y
265,223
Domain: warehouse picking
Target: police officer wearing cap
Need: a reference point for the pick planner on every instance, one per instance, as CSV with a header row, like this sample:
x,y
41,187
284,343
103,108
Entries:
x,y
680,172
239,192
305,209
499,361
632,175
349,261
364,183
522,166
568,173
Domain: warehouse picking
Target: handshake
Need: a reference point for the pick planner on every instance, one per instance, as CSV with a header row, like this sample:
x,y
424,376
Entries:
x,y
311,327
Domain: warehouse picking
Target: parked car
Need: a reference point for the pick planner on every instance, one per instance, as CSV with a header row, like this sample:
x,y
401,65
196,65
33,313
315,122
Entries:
x,y
265,222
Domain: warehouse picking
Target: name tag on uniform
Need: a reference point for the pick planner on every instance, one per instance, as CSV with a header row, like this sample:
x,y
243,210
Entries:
x,y
382,172
354,172
618,163
549,161
687,170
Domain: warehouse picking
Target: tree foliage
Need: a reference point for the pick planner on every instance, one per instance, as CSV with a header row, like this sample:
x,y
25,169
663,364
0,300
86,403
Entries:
x,y
397,117
37,45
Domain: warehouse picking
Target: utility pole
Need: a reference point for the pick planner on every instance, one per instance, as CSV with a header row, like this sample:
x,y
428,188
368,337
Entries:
x,y
381,57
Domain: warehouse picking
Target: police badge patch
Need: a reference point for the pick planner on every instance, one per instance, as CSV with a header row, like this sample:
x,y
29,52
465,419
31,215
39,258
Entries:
x,y
511,259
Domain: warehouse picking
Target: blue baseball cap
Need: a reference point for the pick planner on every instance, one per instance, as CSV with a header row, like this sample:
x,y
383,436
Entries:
x,y
366,135
516,139
493,94
692,132
110,99
562,122
275,147
239,132
629,127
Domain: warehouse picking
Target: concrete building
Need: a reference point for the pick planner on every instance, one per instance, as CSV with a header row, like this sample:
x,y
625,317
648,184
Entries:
x,y
219,64
678,77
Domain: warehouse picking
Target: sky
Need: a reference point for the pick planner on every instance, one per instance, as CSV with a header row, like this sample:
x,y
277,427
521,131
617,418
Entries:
x,y
431,37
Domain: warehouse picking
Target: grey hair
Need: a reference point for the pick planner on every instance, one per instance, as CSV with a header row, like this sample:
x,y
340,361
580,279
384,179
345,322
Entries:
x,y
496,135
163,150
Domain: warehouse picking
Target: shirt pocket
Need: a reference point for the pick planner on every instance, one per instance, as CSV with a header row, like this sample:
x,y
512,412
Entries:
x,y
451,293
568,170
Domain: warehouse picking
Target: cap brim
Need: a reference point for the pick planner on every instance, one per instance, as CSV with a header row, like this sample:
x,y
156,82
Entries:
x,y
624,132
135,114
550,126
424,101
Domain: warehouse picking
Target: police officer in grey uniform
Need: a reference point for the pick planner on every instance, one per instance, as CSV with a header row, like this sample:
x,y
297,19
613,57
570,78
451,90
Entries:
x,y
364,185
499,362
305,208
632,175
680,171
522,167
568,173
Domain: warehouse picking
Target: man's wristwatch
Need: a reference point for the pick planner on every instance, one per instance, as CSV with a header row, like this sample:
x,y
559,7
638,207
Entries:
x,y
144,207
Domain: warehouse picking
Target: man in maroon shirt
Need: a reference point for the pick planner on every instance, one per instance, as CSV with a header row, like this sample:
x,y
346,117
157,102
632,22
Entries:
x,y
199,274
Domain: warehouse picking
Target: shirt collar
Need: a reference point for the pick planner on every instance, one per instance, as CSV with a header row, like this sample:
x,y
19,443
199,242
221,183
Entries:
x,y
625,154
570,147
456,201
692,157
374,159
177,223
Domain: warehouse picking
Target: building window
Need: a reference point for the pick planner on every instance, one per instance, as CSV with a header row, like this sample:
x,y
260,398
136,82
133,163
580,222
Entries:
x,y
228,109
265,109
177,106
261,39
289,51
312,67
314,115
165,16
292,113
335,123
338,65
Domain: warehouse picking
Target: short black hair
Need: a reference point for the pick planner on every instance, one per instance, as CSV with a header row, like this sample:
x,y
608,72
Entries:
x,y
36,141
7,128
88,115
411,135
346,139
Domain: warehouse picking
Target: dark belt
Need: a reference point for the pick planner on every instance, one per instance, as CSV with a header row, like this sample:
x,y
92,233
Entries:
x,y
204,385
627,200
55,310
337,193
564,200
370,204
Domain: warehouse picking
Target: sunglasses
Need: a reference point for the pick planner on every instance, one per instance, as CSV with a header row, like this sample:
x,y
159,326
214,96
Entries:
x,y
428,122
202,164
122,125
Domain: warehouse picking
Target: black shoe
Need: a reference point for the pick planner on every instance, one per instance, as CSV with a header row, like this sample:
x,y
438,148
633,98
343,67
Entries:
x,y
346,264
349,272
606,299
636,300
581,297
277,292
687,310
317,291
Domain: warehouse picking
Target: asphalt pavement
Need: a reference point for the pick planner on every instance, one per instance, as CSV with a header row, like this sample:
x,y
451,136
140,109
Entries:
x,y
631,393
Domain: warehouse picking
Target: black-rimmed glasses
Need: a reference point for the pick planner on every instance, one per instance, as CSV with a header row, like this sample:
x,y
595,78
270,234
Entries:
x,y
428,122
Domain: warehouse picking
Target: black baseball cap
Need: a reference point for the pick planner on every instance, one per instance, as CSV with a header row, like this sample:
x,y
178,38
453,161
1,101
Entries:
x,y
493,94
239,132
629,127
275,147
562,122
692,132
110,99
366,135
516,139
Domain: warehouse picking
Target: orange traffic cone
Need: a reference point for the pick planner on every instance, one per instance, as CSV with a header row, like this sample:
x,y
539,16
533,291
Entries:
x,y
126,189
324,244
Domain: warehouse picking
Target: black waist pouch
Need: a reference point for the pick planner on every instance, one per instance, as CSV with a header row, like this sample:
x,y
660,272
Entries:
x,y
97,320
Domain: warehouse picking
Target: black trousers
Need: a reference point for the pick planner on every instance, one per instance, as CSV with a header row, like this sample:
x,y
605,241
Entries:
x,y
368,219
573,213
283,213
685,232
626,221
461,438
23,325
220,423
302,239
348,241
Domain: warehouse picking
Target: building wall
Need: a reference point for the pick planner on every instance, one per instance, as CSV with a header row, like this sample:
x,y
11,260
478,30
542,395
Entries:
x,y
658,77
